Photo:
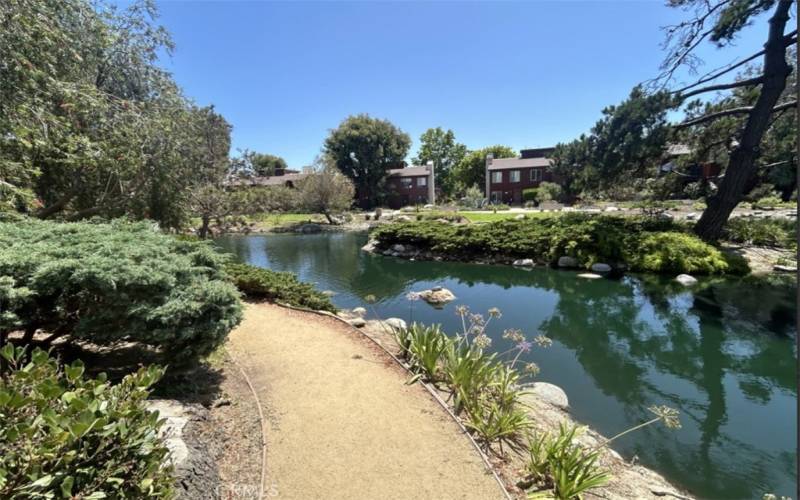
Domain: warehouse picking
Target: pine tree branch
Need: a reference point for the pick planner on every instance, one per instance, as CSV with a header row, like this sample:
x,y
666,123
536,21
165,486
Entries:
x,y
732,111
724,86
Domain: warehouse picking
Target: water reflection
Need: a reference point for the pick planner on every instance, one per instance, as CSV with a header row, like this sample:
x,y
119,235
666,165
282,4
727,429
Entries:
x,y
723,354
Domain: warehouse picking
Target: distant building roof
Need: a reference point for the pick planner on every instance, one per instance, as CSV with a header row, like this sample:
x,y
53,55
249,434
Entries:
x,y
536,152
274,180
413,171
512,163
678,149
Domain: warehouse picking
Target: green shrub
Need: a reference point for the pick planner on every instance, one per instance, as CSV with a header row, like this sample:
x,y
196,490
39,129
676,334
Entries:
x,y
258,283
771,232
671,252
66,436
769,203
562,468
548,191
643,243
426,347
117,281
530,194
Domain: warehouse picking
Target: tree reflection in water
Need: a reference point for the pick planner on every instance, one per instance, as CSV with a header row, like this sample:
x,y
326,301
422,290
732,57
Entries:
x,y
722,353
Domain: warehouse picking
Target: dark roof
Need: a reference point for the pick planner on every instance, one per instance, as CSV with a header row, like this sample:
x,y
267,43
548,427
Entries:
x,y
536,152
412,171
512,163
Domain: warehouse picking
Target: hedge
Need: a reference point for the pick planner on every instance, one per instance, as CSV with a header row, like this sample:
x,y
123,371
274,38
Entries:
x,y
67,436
259,283
112,282
642,243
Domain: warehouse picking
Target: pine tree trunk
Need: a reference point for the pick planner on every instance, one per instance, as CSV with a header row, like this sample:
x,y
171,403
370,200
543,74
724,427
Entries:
x,y
742,162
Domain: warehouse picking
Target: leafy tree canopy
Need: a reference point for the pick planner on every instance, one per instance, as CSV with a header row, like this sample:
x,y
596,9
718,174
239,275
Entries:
x,y
89,123
471,170
363,148
440,147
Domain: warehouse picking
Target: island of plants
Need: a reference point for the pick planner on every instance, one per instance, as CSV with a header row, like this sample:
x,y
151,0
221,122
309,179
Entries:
x,y
644,244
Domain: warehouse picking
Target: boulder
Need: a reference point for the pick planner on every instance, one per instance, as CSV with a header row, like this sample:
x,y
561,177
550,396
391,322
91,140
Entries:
x,y
397,247
549,393
443,221
590,276
196,471
357,322
403,218
310,228
691,216
686,280
369,247
429,207
359,311
437,296
395,323
567,261
612,209
601,268
524,262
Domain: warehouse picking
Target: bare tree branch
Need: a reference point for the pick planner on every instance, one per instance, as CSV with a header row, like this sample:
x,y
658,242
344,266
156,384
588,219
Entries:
x,y
720,72
732,111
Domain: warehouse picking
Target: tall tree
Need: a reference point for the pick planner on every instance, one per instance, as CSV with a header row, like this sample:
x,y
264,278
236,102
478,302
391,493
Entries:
x,y
261,164
719,22
89,123
440,147
363,148
326,190
471,170
632,137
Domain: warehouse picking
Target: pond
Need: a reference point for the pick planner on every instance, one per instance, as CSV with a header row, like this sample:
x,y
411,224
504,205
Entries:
x,y
723,353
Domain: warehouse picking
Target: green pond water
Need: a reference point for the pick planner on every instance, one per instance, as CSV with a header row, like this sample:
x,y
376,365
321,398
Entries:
x,y
723,353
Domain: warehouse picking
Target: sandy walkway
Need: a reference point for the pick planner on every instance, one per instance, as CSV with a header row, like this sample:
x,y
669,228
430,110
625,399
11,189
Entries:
x,y
342,422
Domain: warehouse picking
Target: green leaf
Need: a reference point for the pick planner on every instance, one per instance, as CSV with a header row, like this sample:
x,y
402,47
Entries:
x,y
66,486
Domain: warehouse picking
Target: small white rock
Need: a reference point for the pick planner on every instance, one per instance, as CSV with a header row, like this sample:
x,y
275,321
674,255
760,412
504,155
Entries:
x,y
396,323
524,262
591,276
359,311
611,209
520,217
549,393
686,280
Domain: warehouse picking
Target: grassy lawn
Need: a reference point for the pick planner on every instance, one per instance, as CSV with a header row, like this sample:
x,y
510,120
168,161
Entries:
x,y
280,219
492,216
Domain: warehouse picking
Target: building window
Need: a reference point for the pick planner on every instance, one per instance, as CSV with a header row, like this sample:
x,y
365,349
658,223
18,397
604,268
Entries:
x,y
422,181
536,174
497,177
514,176
497,197
405,182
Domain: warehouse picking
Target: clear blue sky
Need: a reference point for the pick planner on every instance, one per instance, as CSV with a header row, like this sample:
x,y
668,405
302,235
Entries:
x,y
523,74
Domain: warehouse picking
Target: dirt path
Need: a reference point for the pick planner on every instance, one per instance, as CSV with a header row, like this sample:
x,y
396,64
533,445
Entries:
x,y
341,421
